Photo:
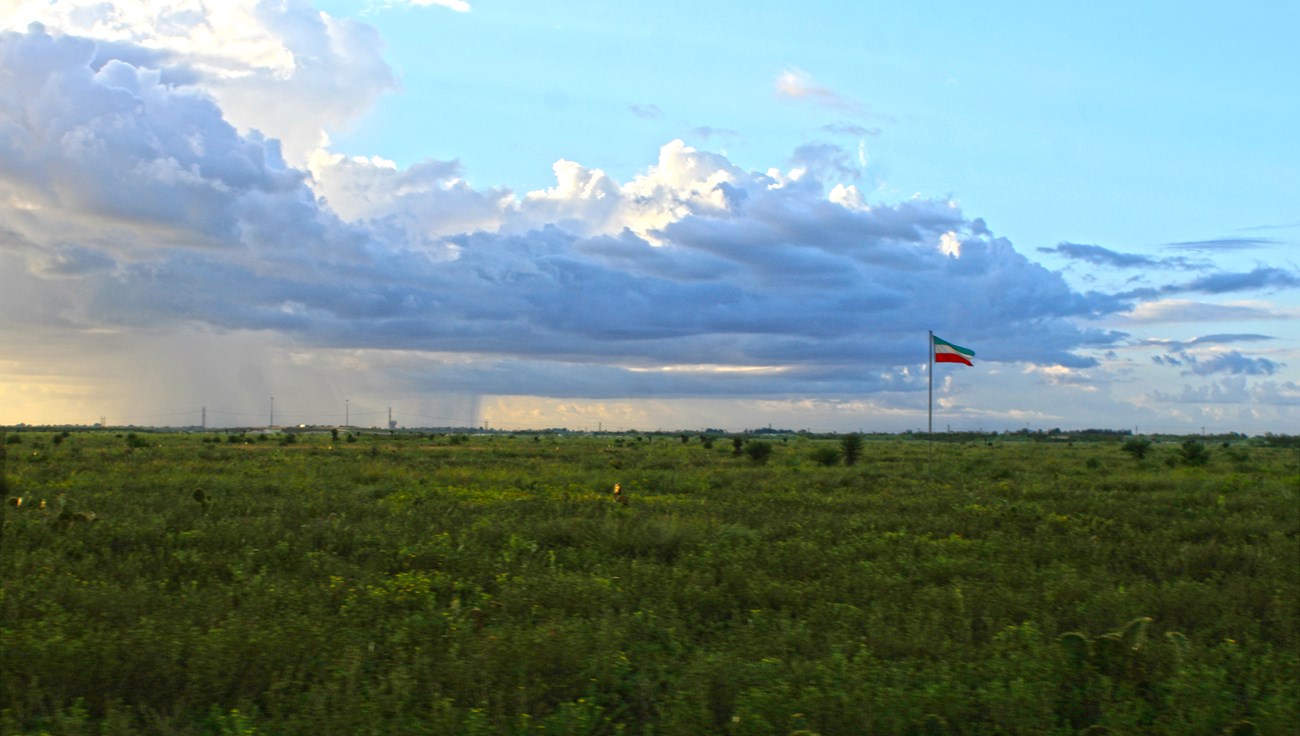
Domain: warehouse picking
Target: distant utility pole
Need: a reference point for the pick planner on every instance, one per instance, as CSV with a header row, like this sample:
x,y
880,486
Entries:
x,y
347,412
272,424
203,418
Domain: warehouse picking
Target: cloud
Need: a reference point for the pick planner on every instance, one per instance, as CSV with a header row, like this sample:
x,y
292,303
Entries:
x,y
1222,244
795,84
1184,310
709,133
1204,340
1274,226
1059,375
1231,390
1235,363
1231,362
1223,339
283,68
135,206
825,161
646,112
460,6
418,204
851,129
1097,255
1259,278
1262,277
1271,393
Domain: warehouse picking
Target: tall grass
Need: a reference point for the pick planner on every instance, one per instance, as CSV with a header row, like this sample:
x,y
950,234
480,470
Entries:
x,y
492,585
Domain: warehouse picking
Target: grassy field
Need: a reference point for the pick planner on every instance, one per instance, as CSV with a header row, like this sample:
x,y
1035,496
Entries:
x,y
454,584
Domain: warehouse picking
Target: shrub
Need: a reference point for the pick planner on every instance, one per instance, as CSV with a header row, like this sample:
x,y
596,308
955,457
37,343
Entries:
x,y
851,444
826,455
135,441
1194,452
758,451
1137,447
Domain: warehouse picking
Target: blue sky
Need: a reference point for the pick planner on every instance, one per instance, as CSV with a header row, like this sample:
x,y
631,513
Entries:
x,y
1054,122
666,215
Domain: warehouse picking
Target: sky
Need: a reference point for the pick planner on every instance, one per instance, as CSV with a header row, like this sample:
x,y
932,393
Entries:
x,y
668,215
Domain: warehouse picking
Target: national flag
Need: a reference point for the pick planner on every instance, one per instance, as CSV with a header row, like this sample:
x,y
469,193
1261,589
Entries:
x,y
946,352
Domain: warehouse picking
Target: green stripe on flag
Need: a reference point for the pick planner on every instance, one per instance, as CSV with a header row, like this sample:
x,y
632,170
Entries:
x,y
958,348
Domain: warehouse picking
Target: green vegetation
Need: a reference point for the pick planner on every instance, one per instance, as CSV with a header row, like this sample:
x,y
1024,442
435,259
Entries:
x,y
851,445
1137,447
1194,452
758,451
484,584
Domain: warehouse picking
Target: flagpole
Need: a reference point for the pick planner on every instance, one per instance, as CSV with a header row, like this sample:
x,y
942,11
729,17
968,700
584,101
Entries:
x,y
929,443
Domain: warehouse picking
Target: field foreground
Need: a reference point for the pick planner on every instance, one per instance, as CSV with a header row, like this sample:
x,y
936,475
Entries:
x,y
452,584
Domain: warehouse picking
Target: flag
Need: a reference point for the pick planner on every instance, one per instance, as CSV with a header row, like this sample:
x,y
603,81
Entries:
x,y
946,352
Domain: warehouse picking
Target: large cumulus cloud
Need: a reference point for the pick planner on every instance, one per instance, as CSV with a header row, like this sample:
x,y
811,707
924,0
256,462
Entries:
x,y
129,200
273,65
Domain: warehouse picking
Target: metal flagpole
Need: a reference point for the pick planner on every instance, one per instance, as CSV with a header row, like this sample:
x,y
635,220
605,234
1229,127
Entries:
x,y
929,442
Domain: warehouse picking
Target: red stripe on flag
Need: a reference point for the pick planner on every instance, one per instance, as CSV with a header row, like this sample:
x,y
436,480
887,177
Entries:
x,y
952,358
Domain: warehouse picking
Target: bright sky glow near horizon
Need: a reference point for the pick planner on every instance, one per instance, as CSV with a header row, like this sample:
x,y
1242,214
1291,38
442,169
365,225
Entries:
x,y
662,215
